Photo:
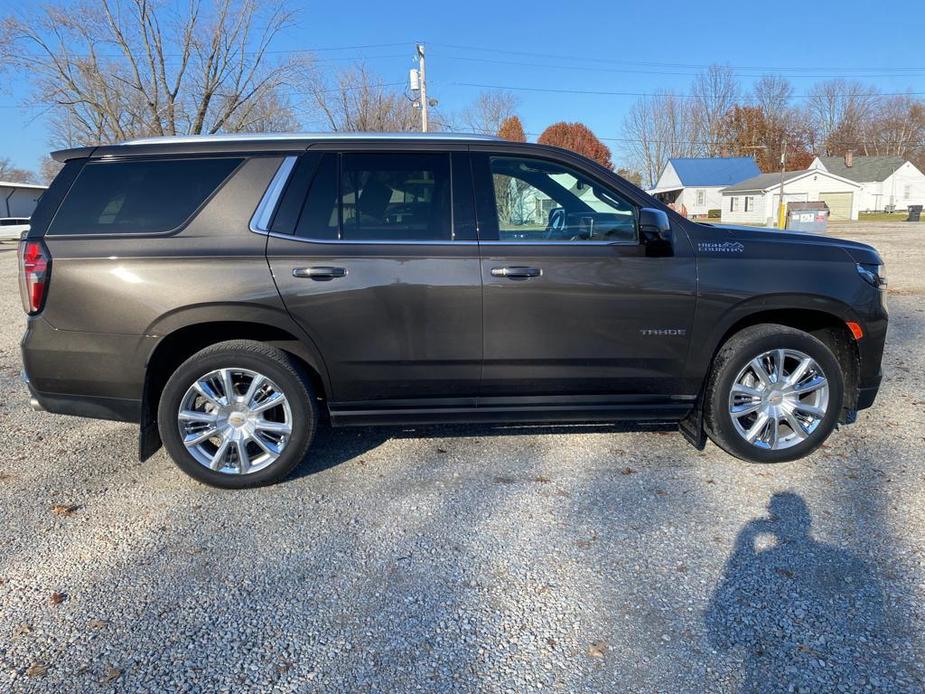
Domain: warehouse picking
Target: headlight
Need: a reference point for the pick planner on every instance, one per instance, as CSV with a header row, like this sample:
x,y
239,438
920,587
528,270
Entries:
x,y
875,275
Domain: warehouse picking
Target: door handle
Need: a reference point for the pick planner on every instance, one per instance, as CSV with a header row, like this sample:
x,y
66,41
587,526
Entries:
x,y
516,273
320,273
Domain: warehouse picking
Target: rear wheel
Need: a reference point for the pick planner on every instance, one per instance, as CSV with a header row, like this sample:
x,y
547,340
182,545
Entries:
x,y
774,394
237,414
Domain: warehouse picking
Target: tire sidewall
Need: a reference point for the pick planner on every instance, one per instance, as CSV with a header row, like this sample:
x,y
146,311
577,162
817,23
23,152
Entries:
x,y
296,390
725,434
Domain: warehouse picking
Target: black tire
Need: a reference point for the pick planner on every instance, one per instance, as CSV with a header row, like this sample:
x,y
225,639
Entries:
x,y
734,356
263,359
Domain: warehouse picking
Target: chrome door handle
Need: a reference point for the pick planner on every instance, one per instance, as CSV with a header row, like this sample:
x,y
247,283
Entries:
x,y
516,272
320,273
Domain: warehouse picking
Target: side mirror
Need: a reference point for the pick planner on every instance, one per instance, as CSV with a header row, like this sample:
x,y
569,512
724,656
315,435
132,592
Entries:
x,y
654,225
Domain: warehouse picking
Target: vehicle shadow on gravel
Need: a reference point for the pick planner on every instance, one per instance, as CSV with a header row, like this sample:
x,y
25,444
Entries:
x,y
802,615
333,446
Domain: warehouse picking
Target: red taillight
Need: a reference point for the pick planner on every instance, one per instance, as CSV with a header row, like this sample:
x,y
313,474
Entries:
x,y
34,273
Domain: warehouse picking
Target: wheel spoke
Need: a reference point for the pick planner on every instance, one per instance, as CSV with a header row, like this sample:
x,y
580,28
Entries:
x,y
197,438
256,382
218,460
196,416
271,402
760,371
205,390
267,448
810,386
773,432
779,358
739,389
228,385
799,372
761,421
745,408
244,460
811,410
273,427
794,422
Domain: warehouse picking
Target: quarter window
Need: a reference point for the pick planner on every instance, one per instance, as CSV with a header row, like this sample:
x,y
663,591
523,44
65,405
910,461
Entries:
x,y
138,197
538,200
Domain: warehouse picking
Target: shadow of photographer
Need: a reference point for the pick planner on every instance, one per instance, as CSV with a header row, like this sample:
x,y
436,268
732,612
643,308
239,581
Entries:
x,y
803,616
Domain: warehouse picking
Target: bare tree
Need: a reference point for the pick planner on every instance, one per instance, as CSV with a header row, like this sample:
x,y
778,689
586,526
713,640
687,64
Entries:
x,y
117,69
13,174
657,128
488,112
713,93
357,100
840,113
772,95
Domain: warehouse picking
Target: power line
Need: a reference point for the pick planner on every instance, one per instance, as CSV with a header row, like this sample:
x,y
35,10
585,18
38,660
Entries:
x,y
696,66
643,72
595,92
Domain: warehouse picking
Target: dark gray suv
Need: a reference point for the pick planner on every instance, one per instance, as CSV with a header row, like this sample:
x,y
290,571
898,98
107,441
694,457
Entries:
x,y
228,292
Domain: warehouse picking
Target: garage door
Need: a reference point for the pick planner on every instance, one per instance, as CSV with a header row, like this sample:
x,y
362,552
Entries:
x,y
839,204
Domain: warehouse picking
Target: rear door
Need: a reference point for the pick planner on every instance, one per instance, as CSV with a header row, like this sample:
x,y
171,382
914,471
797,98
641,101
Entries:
x,y
374,254
576,307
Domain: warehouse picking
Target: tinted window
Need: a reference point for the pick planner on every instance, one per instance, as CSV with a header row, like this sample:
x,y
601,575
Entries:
x,y
538,200
382,197
138,197
318,219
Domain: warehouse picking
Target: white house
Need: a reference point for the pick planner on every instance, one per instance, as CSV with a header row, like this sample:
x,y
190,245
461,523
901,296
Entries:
x,y
694,185
886,182
19,199
755,201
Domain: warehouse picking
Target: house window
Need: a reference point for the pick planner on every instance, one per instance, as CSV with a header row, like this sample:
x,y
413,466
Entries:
x,y
749,203
701,197
733,204
907,192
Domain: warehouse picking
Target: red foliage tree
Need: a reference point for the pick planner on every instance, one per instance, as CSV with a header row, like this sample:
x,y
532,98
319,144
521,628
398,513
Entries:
x,y
578,138
512,129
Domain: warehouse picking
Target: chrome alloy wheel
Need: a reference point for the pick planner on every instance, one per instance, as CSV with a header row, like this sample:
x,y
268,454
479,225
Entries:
x,y
234,421
779,399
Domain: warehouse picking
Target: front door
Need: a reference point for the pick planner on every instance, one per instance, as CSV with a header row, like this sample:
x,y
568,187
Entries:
x,y
576,307
375,266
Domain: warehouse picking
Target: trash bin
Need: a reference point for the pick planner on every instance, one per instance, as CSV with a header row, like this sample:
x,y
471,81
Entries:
x,y
915,213
807,216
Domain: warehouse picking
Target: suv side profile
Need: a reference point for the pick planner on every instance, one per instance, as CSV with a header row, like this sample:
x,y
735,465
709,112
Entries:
x,y
228,292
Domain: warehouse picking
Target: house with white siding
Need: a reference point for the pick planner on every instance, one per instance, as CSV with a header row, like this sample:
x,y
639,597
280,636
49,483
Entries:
x,y
887,183
19,199
755,201
693,186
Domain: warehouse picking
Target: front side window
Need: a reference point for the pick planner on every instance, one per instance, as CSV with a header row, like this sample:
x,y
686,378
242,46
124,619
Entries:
x,y
539,200
139,197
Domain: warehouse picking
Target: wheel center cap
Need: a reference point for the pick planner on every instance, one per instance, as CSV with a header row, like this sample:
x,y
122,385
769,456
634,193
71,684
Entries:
x,y
775,398
237,419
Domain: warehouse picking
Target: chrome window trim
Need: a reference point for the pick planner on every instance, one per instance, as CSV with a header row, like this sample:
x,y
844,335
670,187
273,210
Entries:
x,y
260,221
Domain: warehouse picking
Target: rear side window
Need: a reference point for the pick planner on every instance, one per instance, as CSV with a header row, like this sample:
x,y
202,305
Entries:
x,y
138,197
379,197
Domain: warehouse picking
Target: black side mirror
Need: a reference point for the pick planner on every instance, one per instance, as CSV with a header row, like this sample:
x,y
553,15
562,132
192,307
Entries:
x,y
654,225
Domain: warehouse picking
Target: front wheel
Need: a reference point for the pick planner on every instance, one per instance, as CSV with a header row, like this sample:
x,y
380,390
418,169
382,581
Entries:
x,y
237,414
774,394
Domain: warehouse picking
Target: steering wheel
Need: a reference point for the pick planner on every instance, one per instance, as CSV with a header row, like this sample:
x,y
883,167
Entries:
x,y
556,223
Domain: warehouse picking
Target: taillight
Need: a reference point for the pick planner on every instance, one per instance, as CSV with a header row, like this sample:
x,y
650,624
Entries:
x,y
34,273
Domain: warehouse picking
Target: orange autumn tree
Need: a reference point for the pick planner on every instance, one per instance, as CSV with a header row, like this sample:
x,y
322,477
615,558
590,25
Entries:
x,y
512,129
578,138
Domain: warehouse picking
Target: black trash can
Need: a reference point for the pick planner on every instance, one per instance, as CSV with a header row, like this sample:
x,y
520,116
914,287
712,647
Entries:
x,y
915,213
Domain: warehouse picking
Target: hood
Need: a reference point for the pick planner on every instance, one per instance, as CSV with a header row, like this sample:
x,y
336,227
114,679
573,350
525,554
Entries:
x,y
859,252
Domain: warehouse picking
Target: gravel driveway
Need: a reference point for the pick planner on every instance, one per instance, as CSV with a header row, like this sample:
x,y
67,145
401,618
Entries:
x,y
473,559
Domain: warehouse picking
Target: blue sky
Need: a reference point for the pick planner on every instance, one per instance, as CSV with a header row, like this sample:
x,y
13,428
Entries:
x,y
606,46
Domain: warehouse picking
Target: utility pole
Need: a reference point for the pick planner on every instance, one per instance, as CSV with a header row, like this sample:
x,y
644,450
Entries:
x,y
781,208
423,79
